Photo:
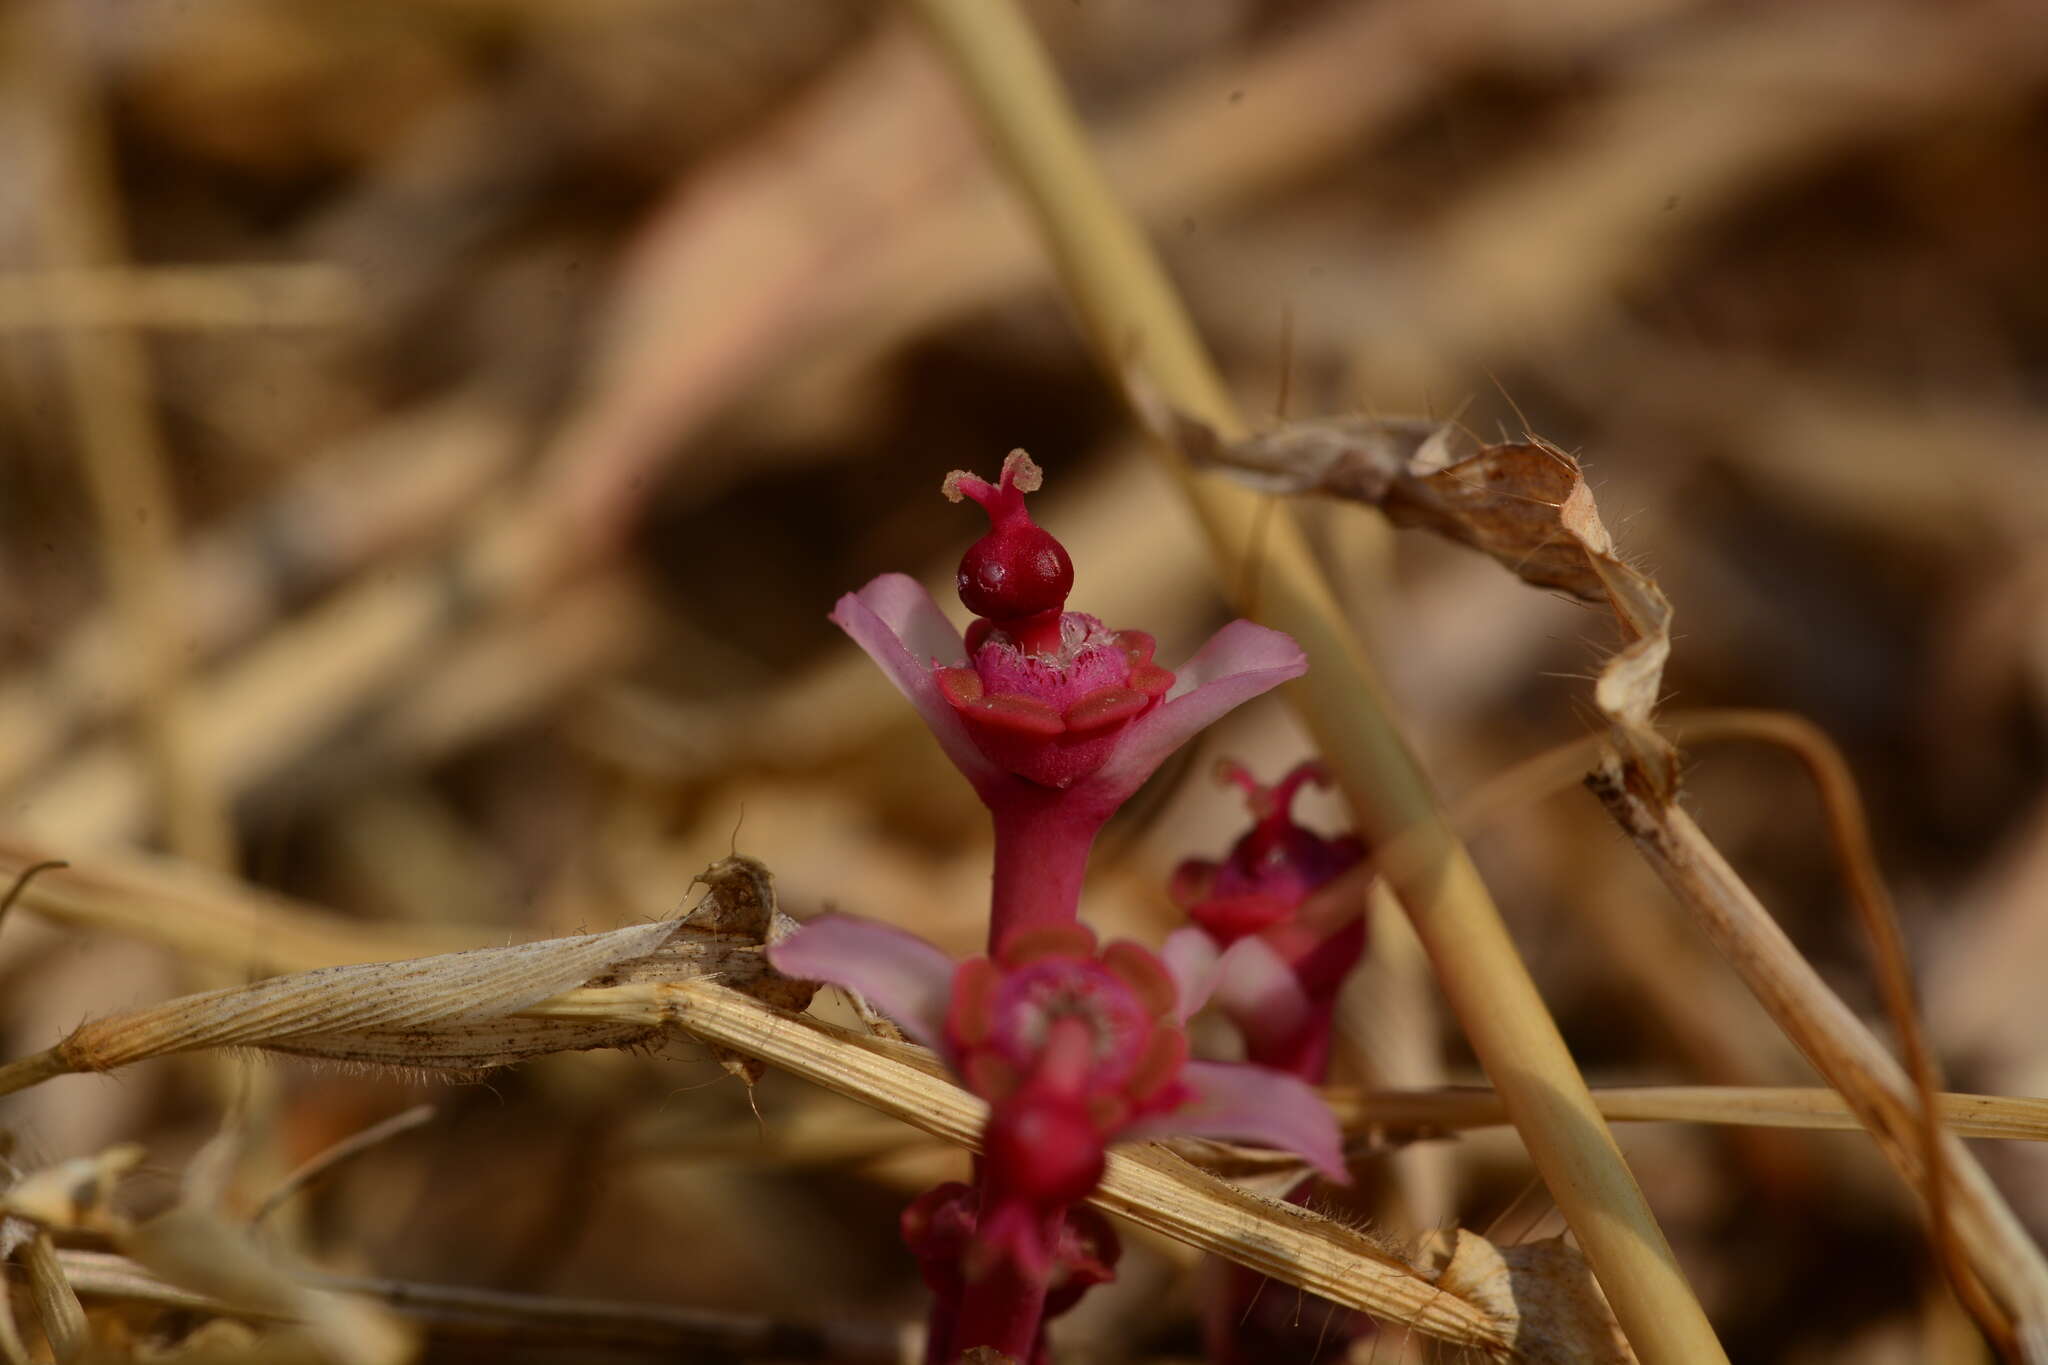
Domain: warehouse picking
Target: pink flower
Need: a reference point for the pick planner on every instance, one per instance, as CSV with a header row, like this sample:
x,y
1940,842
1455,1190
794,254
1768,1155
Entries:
x,y
1052,717
1279,950
1074,1048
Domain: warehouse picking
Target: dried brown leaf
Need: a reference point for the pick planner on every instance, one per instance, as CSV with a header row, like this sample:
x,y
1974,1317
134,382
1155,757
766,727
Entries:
x,y
1524,503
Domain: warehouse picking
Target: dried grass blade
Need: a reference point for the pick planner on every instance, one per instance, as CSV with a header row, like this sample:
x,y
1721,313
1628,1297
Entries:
x,y
455,1011
203,915
1149,1186
447,1011
62,1316
108,1275
461,1311
1450,1110
14,1233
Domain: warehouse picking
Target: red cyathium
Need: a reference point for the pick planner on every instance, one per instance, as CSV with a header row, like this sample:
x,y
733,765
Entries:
x,y
1045,692
1283,937
1054,718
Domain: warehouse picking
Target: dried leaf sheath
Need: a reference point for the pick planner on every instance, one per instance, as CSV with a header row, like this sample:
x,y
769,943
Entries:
x,y
1525,504
455,1011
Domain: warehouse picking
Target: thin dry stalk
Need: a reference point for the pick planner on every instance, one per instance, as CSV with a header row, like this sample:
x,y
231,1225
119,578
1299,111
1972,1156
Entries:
x,y
1147,1185
1138,326
1881,1094
659,1332
57,1306
128,298
1458,1108
350,1147
460,1311
1848,836
204,916
106,376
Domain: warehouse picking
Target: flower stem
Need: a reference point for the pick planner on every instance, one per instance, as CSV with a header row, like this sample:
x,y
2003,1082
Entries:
x,y
1004,1308
1043,838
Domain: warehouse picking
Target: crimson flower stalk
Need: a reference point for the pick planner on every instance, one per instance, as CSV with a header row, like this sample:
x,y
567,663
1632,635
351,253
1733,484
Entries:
x,y
939,1229
1053,718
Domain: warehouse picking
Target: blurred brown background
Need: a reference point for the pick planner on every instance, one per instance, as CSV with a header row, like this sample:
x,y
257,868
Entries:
x,y
432,433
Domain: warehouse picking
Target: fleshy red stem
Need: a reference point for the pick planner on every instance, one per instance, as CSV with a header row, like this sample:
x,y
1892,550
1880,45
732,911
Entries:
x,y
1042,842
942,1331
1004,1308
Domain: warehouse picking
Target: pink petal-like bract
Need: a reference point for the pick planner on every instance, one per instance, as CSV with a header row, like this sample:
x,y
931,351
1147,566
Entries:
x,y
1253,1104
1240,662
1260,992
902,629
1192,960
898,973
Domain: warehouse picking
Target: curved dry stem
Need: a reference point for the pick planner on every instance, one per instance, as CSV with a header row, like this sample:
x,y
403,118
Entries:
x,y
1848,829
32,1070
1139,329
23,878
347,1149
1845,1052
1849,835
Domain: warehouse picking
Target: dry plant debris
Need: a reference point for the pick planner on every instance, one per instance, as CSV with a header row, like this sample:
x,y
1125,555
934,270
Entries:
x,y
511,388
1528,506
459,1013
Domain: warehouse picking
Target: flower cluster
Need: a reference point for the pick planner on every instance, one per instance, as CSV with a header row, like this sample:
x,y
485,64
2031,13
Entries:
x,y
1055,720
1273,907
